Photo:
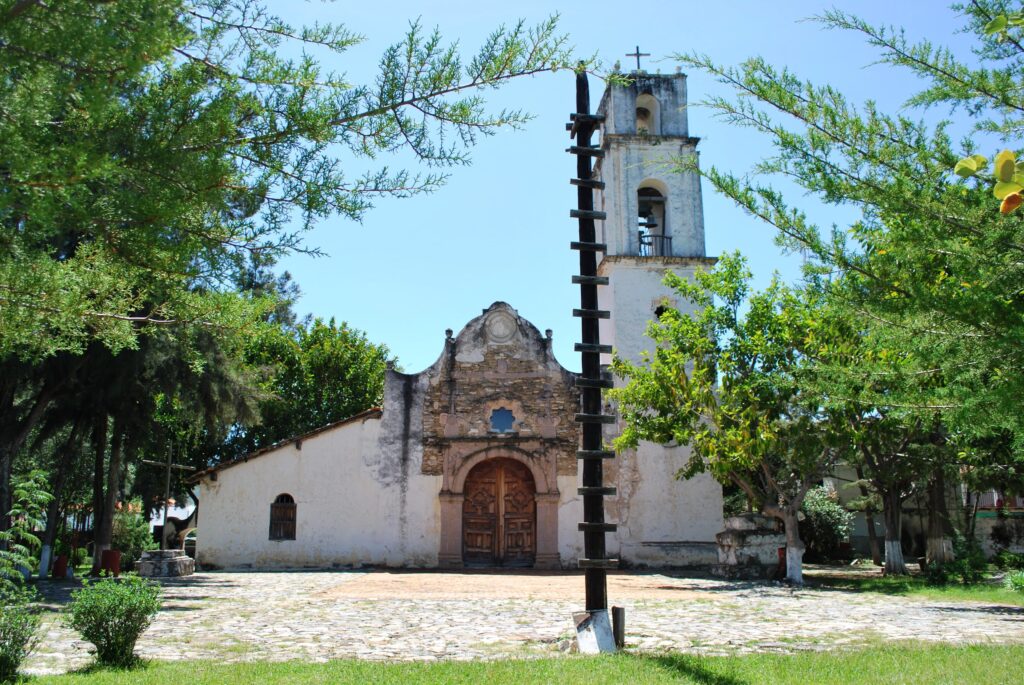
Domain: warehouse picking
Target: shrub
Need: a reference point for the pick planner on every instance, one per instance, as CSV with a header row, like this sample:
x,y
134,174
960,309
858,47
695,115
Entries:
x,y
968,568
18,624
131,535
1015,581
826,523
18,542
1007,560
112,614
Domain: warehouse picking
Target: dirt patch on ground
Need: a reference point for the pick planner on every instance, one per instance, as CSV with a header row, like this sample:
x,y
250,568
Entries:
x,y
508,585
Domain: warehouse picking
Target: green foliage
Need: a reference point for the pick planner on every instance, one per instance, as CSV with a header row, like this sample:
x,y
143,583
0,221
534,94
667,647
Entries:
x,y
968,568
1015,581
826,523
18,542
131,534
725,383
149,147
317,373
726,380
112,614
929,265
19,623
1007,560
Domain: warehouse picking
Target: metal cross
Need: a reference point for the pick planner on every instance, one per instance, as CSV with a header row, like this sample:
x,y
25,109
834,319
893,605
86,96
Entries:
x,y
638,55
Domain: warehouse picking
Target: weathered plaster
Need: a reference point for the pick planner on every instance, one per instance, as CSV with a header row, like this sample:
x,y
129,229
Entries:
x,y
351,505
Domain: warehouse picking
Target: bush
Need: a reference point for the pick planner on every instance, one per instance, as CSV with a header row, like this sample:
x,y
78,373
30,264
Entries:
x,y
79,556
18,543
1007,560
1015,581
131,535
112,614
18,624
826,523
969,568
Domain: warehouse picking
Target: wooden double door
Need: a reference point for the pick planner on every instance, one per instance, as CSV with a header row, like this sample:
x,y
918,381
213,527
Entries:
x,y
499,515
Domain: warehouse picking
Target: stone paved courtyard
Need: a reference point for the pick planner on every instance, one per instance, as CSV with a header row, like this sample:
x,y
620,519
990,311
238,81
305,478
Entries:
x,y
431,615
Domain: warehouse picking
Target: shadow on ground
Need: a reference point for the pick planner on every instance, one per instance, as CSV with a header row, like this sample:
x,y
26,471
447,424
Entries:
x,y
693,667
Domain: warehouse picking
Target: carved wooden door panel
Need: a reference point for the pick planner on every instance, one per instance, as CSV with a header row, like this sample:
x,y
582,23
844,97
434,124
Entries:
x,y
499,515
519,514
480,516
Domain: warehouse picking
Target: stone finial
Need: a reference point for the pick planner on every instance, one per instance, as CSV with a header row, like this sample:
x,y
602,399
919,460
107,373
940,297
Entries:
x,y
547,333
447,334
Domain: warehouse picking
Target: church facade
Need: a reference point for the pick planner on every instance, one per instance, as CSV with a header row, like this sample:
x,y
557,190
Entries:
x,y
472,461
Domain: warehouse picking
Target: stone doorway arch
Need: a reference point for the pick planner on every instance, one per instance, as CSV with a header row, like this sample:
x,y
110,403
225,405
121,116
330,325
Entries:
x,y
452,500
499,515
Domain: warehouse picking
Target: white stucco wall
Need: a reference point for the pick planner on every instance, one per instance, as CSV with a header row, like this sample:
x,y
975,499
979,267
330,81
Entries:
x,y
634,292
345,514
663,521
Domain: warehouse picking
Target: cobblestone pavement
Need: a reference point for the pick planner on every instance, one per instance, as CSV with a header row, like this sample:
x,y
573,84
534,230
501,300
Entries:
x,y
425,616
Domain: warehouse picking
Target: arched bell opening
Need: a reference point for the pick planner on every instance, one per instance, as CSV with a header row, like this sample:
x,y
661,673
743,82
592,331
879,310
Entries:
x,y
652,232
648,115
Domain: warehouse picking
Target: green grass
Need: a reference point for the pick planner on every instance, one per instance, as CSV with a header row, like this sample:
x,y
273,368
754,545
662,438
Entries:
x,y
915,586
892,663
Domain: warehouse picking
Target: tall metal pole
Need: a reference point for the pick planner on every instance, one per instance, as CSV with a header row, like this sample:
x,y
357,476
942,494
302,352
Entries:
x,y
590,381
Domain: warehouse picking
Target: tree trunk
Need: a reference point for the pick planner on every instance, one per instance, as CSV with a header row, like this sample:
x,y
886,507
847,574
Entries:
x,y
892,506
794,547
53,510
105,533
100,448
869,521
939,549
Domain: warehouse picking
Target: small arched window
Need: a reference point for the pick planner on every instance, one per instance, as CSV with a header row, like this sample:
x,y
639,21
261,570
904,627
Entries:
x,y
282,518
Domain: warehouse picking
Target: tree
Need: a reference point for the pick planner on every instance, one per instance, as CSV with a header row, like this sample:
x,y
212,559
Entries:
x,y
930,260
317,374
726,383
151,149
151,146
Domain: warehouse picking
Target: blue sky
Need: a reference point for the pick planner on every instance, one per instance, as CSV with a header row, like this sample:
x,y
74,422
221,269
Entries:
x,y
500,228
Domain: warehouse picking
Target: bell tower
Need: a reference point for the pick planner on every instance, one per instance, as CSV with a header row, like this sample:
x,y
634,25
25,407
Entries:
x,y
654,214
653,223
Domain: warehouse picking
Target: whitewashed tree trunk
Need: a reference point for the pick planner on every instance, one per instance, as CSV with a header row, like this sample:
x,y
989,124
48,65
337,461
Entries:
x,y
45,555
894,563
794,548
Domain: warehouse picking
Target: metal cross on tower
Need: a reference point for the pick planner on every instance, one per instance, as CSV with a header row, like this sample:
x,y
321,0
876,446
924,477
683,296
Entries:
x,y
638,55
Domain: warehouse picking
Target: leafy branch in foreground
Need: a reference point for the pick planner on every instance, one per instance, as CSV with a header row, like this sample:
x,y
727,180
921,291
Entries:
x,y
151,147
928,261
